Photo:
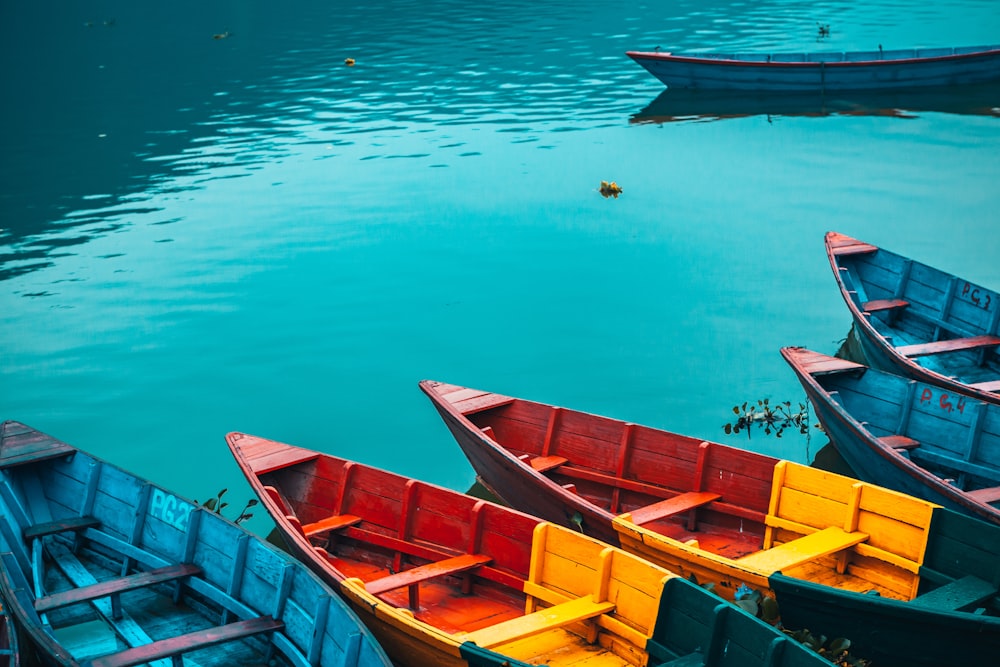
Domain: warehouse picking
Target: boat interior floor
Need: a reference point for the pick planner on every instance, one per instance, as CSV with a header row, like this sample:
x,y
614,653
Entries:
x,y
442,605
725,542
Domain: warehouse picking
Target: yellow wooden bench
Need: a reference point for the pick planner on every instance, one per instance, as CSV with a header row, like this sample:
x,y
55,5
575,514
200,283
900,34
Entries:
x,y
540,621
802,550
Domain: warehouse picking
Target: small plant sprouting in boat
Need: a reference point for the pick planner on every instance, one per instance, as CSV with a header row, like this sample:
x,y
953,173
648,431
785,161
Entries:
x,y
216,505
773,419
611,189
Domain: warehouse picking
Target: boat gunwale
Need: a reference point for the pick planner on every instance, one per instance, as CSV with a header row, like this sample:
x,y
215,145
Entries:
x,y
843,62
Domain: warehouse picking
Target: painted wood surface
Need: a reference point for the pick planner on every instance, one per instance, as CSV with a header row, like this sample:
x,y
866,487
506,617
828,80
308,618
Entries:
x,y
917,321
915,437
494,586
843,536
104,568
827,71
9,654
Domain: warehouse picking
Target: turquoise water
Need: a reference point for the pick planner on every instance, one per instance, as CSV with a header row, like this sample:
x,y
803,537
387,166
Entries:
x,y
200,235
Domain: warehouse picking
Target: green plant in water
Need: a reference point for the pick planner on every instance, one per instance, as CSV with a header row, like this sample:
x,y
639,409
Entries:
x,y
217,504
772,418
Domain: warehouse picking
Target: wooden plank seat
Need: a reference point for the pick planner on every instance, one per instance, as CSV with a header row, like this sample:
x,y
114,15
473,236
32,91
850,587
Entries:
x,y
546,463
988,495
968,590
899,442
802,550
671,506
540,621
115,586
330,523
877,305
414,576
76,524
952,345
175,646
992,385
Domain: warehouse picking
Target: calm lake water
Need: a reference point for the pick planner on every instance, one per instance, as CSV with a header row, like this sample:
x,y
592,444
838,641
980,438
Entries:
x,y
201,234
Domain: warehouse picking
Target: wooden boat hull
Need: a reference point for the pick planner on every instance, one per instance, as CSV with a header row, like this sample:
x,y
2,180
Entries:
x,y
803,72
133,574
540,593
685,105
943,434
811,525
901,309
9,654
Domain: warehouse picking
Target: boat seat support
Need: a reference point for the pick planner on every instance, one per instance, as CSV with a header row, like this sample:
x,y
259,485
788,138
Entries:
x,y
878,305
968,590
540,621
944,346
671,506
175,646
75,524
802,550
988,495
414,576
115,587
992,385
330,523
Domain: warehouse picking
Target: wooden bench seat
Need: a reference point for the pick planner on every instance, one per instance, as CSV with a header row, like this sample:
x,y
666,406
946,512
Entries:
x,y
952,345
802,550
546,463
540,621
330,523
76,524
899,442
414,576
174,646
877,305
115,586
671,506
992,385
968,590
990,494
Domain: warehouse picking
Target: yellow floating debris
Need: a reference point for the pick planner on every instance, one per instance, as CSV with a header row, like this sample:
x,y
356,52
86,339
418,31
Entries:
x,y
611,189
221,35
349,62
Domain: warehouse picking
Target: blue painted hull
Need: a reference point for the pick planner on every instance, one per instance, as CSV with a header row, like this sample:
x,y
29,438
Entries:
x,y
805,72
865,412
938,307
130,570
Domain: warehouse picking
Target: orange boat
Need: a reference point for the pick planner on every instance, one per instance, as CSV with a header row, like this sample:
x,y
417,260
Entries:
x,y
446,579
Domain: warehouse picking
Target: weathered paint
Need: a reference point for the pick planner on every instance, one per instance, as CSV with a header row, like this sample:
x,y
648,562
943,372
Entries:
x,y
917,438
108,532
923,306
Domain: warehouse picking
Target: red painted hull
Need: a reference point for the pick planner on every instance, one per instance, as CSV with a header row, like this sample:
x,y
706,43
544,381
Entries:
x,y
611,467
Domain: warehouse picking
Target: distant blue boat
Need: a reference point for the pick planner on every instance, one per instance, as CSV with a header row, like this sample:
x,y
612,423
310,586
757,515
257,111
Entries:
x,y
104,569
827,71
916,438
918,321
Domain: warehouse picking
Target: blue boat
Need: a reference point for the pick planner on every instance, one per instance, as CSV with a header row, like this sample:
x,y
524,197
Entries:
x,y
827,71
917,438
103,569
917,321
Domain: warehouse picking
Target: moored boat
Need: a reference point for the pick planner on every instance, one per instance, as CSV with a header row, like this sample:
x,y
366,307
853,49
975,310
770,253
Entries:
x,y
444,578
917,321
103,569
723,516
825,71
915,437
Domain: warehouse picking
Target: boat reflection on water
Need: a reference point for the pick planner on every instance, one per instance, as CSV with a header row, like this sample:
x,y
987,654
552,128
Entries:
x,y
678,105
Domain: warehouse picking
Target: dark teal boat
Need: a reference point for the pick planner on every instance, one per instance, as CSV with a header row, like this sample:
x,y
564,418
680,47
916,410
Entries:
x,y
103,569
